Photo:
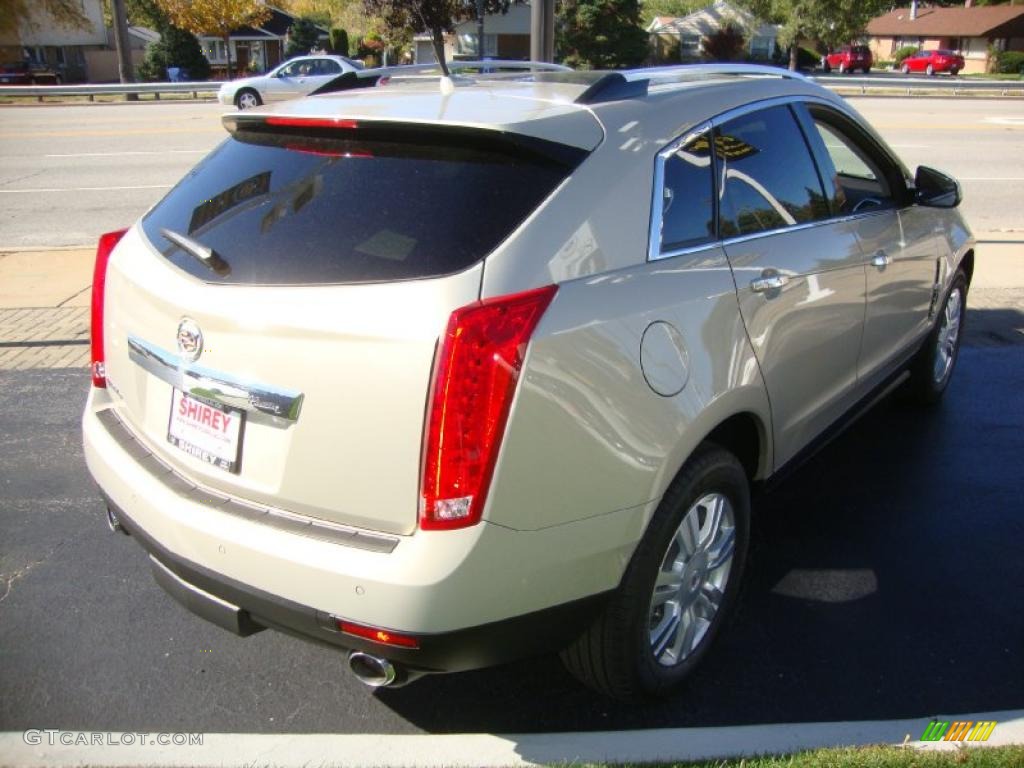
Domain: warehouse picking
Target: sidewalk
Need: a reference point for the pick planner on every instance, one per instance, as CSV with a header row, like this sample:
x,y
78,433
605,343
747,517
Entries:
x,y
45,299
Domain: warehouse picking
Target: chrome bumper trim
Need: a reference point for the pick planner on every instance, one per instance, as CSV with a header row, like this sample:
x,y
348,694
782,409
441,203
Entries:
x,y
214,385
334,533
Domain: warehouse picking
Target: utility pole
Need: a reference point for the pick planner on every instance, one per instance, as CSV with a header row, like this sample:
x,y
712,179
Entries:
x,y
124,53
480,29
542,30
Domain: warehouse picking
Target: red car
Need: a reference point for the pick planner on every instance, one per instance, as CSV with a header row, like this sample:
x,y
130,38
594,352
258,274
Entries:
x,y
931,62
848,58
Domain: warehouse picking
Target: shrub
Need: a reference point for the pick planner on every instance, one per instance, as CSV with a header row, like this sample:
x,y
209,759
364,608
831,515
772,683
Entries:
x,y
302,37
904,52
1010,62
175,48
726,44
339,41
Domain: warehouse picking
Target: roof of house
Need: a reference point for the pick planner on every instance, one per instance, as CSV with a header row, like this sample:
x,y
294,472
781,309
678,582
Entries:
x,y
978,21
710,19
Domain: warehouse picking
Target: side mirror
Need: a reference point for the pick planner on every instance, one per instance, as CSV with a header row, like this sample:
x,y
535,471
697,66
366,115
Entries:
x,y
935,189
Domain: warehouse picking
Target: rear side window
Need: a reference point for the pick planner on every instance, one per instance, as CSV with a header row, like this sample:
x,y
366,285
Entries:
x,y
688,213
769,180
290,209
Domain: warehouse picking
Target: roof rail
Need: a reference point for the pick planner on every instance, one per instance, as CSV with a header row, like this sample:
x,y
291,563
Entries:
x,y
633,83
367,78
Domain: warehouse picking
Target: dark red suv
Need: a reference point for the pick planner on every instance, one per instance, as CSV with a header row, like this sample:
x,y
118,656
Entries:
x,y
848,58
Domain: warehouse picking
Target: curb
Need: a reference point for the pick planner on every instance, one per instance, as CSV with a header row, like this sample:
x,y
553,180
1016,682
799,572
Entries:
x,y
661,745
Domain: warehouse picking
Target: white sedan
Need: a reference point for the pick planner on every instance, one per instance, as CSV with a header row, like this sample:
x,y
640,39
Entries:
x,y
294,78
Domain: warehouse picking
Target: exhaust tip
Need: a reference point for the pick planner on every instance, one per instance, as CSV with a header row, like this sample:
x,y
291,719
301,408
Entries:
x,y
372,670
114,524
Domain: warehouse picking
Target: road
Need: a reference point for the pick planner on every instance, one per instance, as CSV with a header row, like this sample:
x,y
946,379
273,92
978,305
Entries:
x,y
98,167
884,582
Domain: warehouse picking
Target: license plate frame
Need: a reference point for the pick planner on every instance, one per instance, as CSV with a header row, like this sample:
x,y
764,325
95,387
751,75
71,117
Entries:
x,y
206,430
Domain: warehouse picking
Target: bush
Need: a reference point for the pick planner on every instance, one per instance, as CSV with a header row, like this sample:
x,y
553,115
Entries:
x,y
339,41
302,38
1010,62
904,52
175,48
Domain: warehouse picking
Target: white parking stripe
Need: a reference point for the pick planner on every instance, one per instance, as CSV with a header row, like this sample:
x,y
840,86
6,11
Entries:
x,y
641,746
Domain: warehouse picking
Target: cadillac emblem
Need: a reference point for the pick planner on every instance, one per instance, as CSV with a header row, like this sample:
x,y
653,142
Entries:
x,y
190,340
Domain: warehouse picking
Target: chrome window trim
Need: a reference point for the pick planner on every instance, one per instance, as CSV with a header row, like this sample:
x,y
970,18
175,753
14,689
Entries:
x,y
214,385
654,252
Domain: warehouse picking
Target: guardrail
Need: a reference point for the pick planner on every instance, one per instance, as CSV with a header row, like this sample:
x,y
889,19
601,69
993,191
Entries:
x,y
909,84
867,83
116,89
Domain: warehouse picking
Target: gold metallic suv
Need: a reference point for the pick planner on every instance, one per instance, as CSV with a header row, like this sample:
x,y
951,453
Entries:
x,y
450,376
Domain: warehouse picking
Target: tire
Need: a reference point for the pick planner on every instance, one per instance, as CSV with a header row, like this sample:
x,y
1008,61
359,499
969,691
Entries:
x,y
954,72
826,68
247,98
617,655
905,69
933,366
930,71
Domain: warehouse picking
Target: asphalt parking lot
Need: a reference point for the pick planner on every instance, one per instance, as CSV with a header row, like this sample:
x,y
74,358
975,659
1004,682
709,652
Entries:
x,y
884,580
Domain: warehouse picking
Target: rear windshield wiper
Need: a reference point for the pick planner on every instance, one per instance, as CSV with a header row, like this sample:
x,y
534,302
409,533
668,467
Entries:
x,y
203,254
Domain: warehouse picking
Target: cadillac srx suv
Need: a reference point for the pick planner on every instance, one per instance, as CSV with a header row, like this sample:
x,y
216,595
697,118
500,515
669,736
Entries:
x,y
447,375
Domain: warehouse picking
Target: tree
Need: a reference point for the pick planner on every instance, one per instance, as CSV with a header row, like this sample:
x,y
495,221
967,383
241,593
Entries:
x,y
339,41
602,34
217,17
826,22
725,44
434,16
175,48
65,13
302,38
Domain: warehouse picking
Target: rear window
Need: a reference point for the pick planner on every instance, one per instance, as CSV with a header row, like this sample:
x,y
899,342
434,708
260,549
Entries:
x,y
333,206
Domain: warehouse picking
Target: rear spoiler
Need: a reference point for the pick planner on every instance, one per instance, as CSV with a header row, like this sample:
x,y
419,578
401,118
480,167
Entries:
x,y
369,78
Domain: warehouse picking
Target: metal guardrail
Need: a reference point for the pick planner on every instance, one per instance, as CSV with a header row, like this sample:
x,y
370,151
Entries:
x,y
116,89
909,84
865,84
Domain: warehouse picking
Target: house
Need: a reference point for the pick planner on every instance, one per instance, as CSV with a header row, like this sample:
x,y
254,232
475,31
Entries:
x,y
971,31
63,48
506,36
688,32
256,49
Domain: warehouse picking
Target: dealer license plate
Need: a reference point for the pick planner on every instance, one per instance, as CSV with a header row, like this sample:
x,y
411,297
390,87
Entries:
x,y
208,431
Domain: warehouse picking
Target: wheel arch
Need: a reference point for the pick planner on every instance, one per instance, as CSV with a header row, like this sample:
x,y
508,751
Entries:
x,y
967,265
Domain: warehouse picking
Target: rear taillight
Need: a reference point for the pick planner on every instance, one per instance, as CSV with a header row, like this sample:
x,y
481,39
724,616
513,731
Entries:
x,y
383,636
99,284
479,359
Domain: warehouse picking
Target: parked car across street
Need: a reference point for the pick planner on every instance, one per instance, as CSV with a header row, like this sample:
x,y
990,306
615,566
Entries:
x,y
848,58
28,73
932,62
417,373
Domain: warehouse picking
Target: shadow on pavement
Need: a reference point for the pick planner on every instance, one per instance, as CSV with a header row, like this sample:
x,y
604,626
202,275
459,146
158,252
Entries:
x,y
884,582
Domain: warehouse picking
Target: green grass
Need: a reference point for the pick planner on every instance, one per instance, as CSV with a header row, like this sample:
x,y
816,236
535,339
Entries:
x,y
868,757
979,76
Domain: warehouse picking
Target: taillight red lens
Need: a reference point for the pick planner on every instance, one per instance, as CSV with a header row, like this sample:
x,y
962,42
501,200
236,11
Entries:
x,y
478,363
99,285
313,122
383,636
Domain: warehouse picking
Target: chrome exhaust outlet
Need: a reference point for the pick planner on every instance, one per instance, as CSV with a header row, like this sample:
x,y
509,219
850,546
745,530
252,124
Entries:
x,y
372,670
114,524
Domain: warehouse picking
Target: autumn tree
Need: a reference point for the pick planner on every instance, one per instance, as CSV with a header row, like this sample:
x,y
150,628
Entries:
x,y
217,17
827,22
725,44
434,16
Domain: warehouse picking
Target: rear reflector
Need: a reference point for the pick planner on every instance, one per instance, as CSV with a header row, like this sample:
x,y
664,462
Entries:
x,y
99,285
383,636
478,363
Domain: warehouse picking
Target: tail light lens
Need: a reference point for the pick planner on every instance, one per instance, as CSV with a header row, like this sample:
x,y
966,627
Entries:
x,y
99,284
478,364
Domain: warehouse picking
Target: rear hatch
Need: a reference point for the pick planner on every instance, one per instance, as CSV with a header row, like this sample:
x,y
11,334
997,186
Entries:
x,y
312,265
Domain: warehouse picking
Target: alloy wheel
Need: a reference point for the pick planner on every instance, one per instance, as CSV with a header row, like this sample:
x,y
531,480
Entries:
x,y
692,579
949,333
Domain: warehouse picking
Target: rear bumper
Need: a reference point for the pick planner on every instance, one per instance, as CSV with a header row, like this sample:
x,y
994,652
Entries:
x,y
473,597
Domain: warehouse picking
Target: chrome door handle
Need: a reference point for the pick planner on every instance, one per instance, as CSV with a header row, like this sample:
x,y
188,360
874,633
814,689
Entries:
x,y
771,283
881,260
